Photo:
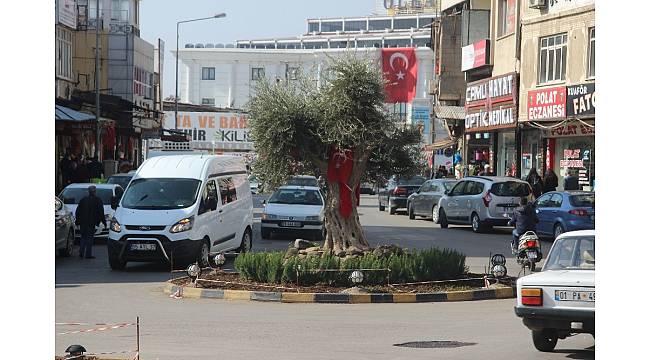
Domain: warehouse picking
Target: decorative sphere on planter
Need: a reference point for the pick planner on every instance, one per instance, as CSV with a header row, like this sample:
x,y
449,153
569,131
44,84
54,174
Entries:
x,y
499,271
75,352
193,271
356,277
220,259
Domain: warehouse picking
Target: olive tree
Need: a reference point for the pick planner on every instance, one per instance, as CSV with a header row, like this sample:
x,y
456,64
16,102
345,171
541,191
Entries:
x,y
298,126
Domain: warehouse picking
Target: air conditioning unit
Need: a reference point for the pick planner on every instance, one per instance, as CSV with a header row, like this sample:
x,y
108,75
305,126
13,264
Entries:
x,y
537,4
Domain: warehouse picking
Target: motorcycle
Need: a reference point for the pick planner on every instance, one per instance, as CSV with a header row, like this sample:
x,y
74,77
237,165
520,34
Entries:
x,y
529,250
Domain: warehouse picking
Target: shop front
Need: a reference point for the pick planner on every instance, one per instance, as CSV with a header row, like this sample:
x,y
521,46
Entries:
x,y
490,125
561,135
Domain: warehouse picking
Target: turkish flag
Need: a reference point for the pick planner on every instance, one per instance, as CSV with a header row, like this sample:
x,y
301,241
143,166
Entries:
x,y
400,69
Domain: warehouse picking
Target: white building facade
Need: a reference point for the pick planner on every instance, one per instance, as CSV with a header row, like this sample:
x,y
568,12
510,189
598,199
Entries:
x,y
226,76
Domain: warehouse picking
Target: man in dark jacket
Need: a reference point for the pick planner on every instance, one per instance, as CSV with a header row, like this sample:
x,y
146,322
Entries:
x,y
571,181
524,219
89,214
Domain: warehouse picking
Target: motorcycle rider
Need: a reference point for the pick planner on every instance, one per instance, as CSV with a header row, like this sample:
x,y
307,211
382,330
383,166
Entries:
x,y
524,219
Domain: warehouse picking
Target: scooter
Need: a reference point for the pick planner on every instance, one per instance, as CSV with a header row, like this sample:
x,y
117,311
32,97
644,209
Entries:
x,y
529,250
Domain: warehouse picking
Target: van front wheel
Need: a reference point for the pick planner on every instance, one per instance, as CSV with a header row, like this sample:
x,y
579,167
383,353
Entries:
x,y
246,242
204,254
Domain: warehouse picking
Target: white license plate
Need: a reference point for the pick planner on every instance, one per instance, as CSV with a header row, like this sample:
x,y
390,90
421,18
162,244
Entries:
x,y
143,247
291,223
569,295
531,255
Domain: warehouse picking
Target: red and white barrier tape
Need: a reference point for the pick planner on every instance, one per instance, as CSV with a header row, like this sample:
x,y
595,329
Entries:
x,y
85,324
103,328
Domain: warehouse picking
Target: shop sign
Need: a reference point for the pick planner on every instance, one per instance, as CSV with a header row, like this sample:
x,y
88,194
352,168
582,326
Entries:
x,y
549,103
574,158
66,13
581,100
571,129
211,127
492,90
475,55
490,103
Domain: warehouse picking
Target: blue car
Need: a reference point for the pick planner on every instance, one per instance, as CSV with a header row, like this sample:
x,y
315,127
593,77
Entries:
x,y
562,211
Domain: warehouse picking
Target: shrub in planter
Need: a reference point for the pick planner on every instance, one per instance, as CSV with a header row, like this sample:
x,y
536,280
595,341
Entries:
x,y
425,265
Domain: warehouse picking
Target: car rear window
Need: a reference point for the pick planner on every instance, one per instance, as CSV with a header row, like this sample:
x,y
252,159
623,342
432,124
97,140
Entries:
x,y
510,188
412,181
583,200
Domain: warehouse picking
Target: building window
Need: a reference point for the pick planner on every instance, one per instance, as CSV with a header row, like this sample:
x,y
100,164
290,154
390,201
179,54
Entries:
x,y
506,17
355,25
331,26
292,73
591,71
207,73
64,53
405,23
142,83
376,25
425,22
257,73
552,58
120,10
207,101
422,42
388,43
313,27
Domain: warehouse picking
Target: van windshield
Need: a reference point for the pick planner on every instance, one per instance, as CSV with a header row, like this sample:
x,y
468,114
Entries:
x,y
161,193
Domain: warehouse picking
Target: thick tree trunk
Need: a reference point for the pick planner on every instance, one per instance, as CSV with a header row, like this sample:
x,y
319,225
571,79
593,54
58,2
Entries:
x,y
342,232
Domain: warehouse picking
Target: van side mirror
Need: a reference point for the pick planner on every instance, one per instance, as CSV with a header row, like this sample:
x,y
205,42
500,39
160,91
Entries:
x,y
114,202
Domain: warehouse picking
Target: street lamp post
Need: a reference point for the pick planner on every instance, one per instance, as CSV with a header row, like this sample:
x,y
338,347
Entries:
x,y
176,94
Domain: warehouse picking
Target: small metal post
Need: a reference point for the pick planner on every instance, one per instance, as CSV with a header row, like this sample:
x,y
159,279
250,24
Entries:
x,y
137,327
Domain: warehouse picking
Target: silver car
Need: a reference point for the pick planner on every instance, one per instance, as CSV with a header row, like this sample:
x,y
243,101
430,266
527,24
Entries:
x,y
482,201
63,228
424,202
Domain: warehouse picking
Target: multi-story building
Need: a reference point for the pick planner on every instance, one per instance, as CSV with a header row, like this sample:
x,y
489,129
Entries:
x,y
126,81
557,87
225,76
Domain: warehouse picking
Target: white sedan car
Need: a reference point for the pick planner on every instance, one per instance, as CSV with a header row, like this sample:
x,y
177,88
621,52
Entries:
x,y
295,211
560,300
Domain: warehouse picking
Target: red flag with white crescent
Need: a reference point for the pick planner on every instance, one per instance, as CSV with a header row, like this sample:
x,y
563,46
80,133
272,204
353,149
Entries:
x,y
401,73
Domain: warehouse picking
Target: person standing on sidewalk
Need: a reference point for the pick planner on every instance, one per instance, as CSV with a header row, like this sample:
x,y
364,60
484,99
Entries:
x,y
88,215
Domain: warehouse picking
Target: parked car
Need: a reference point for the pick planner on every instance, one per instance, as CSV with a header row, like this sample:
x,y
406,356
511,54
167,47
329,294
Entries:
x,y
254,184
367,188
121,179
562,211
63,228
424,201
303,180
294,210
397,191
108,193
181,209
482,201
560,300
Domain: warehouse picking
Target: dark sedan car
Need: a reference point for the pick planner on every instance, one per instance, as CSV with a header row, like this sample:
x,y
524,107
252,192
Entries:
x,y
424,202
562,211
397,191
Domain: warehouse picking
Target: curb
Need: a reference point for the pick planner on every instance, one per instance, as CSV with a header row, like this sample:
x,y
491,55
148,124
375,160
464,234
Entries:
x,y
339,298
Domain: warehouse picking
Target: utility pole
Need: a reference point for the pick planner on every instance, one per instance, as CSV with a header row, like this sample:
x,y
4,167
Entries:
x,y
97,79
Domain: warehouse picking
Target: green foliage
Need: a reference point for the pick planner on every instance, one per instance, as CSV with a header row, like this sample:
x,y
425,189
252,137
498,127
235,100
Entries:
x,y
425,265
296,124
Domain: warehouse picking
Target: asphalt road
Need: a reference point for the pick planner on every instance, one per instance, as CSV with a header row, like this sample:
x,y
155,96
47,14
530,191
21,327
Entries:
x,y
87,291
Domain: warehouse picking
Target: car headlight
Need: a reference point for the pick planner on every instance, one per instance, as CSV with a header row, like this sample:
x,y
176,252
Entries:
x,y
312,218
115,226
266,216
182,225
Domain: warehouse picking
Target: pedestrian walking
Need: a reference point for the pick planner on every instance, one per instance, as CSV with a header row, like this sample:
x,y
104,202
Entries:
x,y
535,182
550,180
487,171
89,214
95,168
571,181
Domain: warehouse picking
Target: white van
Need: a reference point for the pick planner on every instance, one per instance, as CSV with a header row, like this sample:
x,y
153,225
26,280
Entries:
x,y
183,208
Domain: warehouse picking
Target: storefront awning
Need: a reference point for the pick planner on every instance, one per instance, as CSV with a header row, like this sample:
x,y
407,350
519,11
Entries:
x,y
449,112
62,113
442,144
